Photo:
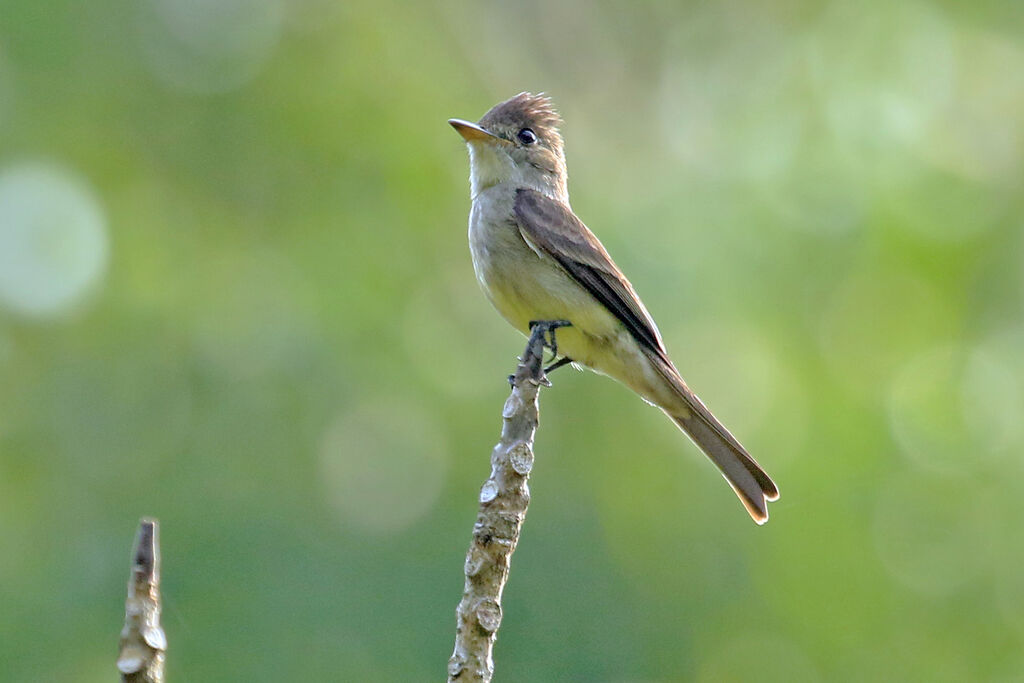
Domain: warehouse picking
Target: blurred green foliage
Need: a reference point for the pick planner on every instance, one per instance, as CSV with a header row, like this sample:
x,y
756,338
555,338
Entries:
x,y
236,295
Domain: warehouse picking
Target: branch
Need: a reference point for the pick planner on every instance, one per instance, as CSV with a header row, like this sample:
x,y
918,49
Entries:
x,y
504,498
141,656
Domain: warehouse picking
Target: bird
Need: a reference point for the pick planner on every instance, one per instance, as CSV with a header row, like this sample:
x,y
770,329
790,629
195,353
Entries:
x,y
538,263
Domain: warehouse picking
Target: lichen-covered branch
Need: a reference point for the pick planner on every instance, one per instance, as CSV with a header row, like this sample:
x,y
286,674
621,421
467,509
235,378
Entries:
x,y
504,498
143,643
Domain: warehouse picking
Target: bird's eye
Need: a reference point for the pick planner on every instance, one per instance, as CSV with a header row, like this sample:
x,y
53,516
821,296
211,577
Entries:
x,y
526,136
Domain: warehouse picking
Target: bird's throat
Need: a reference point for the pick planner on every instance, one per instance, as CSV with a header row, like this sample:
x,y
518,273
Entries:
x,y
488,166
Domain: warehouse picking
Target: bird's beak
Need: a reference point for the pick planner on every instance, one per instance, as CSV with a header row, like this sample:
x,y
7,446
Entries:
x,y
472,132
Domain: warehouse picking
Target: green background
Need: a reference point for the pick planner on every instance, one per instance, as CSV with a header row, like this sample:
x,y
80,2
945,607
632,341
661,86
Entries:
x,y
235,294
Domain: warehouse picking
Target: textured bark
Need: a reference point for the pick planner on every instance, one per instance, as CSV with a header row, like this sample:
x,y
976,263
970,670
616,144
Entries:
x,y
504,498
143,643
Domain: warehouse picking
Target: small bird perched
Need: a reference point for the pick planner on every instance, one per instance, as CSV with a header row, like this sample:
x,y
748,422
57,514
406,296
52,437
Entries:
x,y
539,264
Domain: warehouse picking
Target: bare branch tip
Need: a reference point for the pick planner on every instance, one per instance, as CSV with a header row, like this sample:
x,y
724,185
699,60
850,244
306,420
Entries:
x,y
143,641
146,557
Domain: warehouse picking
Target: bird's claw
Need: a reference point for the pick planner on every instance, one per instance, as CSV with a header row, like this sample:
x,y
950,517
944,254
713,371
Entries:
x,y
548,328
564,360
543,331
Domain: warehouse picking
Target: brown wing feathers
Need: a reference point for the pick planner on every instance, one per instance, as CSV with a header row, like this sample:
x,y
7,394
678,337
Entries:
x,y
555,229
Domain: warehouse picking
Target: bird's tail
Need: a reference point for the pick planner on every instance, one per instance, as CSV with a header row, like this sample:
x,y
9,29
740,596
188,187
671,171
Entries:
x,y
751,483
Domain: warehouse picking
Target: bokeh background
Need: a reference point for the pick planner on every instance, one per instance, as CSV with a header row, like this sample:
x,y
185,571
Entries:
x,y
235,294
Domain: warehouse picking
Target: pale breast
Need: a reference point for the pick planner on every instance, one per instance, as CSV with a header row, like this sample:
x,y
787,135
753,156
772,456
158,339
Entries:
x,y
521,283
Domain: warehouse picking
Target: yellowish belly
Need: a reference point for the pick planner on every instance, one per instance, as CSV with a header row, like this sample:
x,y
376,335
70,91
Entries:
x,y
525,286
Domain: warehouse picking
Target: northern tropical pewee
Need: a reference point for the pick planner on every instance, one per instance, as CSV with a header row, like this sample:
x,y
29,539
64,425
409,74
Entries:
x,y
537,261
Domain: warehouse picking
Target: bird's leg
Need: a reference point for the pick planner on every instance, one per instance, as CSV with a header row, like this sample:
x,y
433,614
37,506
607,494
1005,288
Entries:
x,y
547,329
542,335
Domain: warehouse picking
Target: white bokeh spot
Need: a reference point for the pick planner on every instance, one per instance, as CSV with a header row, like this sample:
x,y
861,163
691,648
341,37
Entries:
x,y
54,246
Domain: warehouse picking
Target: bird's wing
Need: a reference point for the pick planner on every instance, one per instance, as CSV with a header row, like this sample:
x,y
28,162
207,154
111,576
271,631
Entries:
x,y
550,227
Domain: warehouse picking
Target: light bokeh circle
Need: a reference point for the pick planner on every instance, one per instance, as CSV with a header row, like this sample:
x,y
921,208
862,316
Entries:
x,y
209,46
54,246
384,464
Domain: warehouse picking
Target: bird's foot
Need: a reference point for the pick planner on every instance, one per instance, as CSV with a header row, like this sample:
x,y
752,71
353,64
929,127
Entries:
x,y
546,328
542,336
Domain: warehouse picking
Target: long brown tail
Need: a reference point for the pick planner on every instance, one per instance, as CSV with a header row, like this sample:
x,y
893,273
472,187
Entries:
x,y
753,486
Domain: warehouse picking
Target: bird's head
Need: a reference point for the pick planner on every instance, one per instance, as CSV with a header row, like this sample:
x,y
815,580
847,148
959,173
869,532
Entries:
x,y
517,141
